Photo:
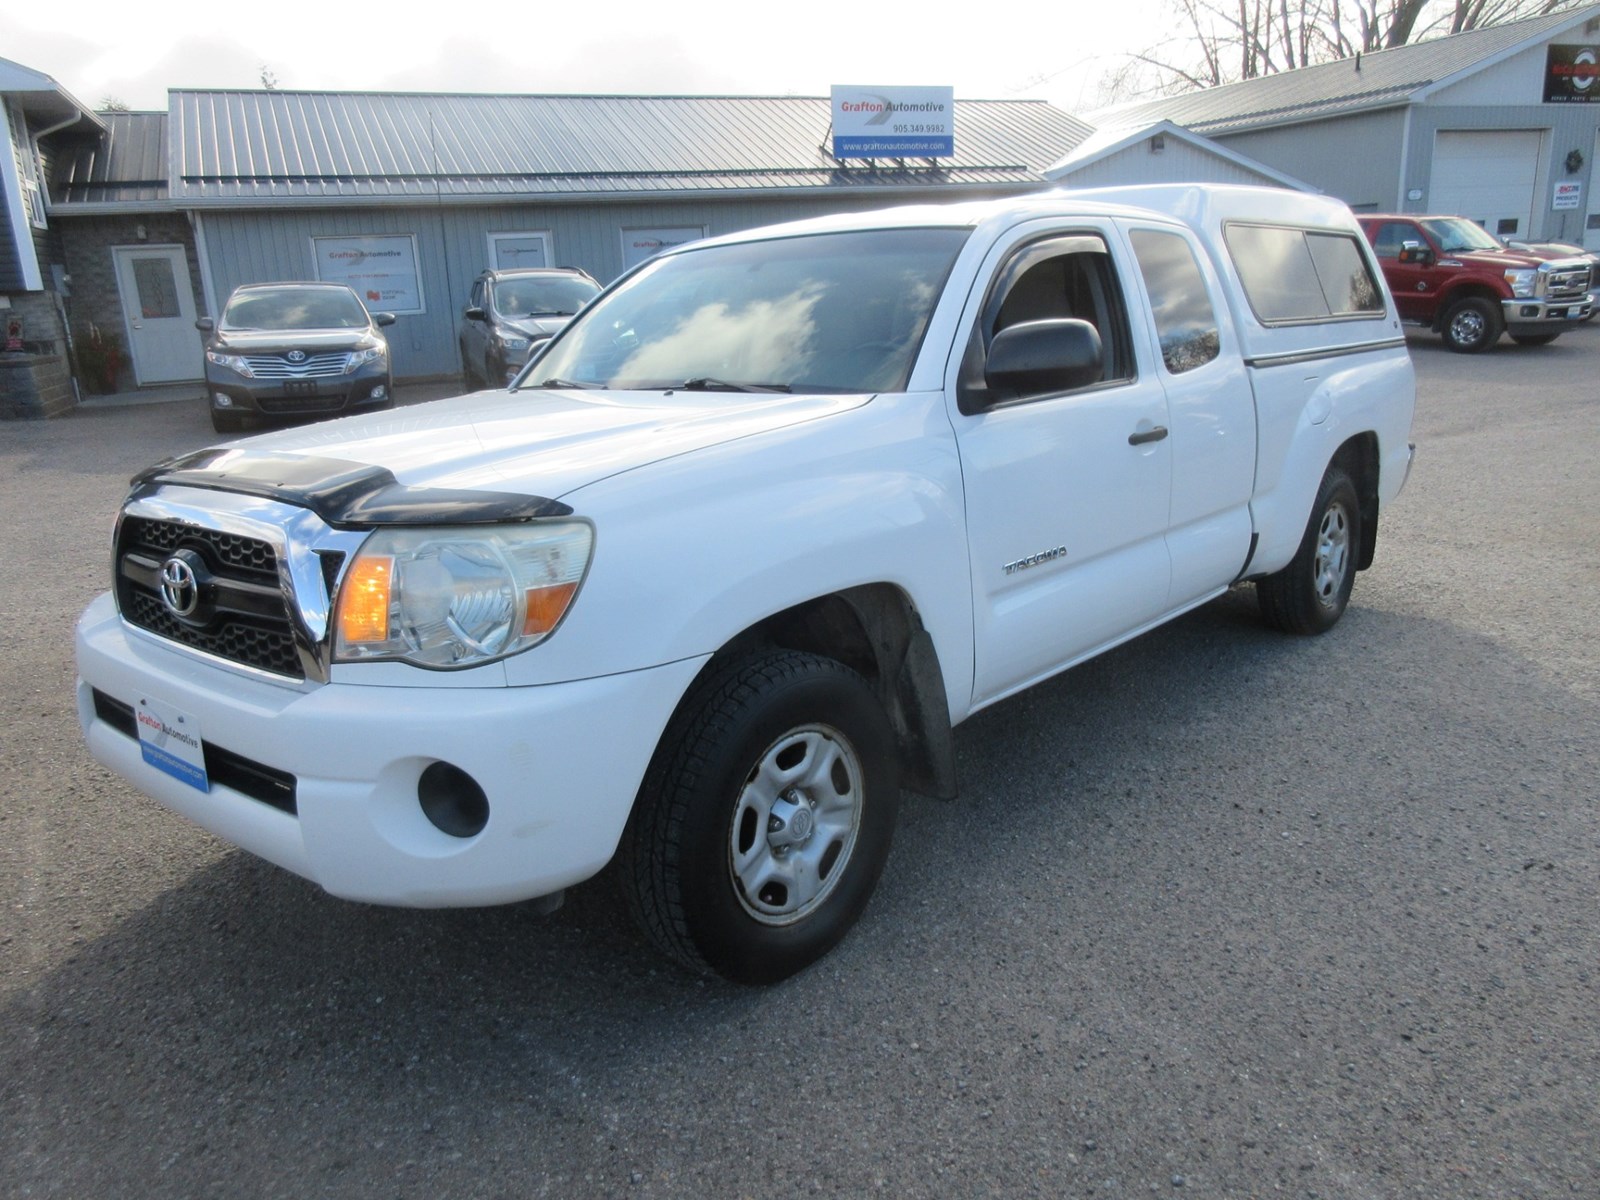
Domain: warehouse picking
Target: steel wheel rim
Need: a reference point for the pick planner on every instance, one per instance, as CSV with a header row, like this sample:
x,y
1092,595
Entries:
x,y
1468,326
795,824
1333,554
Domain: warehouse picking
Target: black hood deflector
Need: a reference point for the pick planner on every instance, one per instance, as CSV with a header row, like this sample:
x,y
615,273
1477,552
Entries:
x,y
346,495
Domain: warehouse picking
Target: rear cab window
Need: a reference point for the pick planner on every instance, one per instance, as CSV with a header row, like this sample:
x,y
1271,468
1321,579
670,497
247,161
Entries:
x,y
1302,276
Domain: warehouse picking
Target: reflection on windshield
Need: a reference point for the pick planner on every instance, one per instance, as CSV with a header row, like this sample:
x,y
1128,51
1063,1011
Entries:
x,y
295,308
828,312
1455,234
540,297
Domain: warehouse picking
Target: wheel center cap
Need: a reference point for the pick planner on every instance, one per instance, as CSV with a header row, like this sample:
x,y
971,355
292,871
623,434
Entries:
x,y
802,824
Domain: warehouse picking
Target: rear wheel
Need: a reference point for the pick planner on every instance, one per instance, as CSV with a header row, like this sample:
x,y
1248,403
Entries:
x,y
765,819
1472,324
1310,594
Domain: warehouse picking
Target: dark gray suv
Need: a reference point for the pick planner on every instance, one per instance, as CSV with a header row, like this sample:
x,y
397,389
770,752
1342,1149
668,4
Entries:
x,y
294,349
512,312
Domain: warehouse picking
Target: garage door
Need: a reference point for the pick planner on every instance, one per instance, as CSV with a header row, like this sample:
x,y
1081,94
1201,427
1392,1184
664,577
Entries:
x,y
1488,175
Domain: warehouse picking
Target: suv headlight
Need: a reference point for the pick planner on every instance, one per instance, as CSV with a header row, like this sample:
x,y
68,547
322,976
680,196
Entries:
x,y
459,596
513,341
232,361
1522,282
361,356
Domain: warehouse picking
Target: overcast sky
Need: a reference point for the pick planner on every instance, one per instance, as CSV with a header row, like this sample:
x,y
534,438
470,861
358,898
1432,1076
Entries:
x,y
134,52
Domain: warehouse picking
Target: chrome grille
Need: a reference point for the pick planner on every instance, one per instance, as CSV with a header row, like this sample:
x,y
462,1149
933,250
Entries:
x,y
315,366
1568,285
260,636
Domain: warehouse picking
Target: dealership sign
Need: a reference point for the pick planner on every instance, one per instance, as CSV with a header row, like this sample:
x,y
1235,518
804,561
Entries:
x,y
382,269
1571,74
894,122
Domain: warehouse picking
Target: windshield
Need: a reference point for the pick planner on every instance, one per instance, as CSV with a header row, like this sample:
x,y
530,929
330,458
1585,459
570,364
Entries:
x,y
542,296
1455,234
835,312
295,308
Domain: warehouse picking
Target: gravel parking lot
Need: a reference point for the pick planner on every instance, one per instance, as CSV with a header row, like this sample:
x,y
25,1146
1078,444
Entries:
x,y
1222,913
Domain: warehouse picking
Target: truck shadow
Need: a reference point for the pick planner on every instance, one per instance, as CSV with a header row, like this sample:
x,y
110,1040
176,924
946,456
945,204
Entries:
x,y
247,998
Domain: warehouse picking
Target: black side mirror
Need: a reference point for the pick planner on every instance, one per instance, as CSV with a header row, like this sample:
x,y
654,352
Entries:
x,y
1415,252
474,313
205,324
383,318
1043,358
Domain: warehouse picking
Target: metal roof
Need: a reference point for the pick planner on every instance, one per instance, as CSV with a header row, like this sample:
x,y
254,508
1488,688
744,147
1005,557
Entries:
x,y
1382,79
237,147
127,164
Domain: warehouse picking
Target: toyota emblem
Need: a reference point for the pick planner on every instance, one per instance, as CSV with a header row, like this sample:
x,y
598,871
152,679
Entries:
x,y
296,356
180,590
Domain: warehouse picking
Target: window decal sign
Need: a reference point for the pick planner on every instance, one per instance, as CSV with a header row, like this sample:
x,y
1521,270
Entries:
x,y
640,244
894,122
382,269
511,250
1571,74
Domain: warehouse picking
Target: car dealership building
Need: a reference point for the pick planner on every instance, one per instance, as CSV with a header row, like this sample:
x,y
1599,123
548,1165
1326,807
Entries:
x,y
119,229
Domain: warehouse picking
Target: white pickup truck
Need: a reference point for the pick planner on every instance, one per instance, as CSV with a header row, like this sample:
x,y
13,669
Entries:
x,y
720,572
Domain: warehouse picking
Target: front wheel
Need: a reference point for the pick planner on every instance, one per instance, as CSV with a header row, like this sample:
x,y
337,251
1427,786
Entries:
x,y
765,819
1310,594
1472,324
1533,339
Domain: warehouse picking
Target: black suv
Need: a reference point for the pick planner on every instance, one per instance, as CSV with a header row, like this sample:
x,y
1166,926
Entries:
x,y
511,312
293,349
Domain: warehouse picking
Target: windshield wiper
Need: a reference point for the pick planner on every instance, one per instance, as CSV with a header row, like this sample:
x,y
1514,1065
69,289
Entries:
x,y
568,383
705,383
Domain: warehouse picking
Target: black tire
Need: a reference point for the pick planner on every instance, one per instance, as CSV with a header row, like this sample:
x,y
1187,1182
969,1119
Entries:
x,y
1472,324
1534,339
784,762
223,421
1310,594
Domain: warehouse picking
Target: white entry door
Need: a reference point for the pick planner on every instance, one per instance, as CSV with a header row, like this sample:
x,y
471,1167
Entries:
x,y
158,307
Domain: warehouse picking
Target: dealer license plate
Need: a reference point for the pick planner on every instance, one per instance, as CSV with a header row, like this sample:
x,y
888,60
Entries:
x,y
170,741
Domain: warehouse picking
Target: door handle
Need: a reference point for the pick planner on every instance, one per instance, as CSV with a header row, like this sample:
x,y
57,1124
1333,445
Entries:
x,y
1147,435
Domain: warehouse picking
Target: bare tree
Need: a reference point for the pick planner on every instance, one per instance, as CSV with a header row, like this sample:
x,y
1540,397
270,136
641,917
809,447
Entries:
x,y
1223,41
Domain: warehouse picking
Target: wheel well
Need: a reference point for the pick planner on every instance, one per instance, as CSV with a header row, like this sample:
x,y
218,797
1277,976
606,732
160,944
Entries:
x,y
876,632
1358,458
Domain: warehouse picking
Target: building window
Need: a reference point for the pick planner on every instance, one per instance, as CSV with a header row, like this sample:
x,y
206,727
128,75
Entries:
x,y
27,169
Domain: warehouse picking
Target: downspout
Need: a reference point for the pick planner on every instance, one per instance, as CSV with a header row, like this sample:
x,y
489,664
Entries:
x,y
202,252
1405,161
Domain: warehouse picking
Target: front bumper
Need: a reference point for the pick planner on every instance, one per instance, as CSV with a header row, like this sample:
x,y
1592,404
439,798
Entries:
x,y
559,764
319,395
1543,316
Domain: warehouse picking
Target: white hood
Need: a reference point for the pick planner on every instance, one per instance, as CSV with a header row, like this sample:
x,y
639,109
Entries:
x,y
547,443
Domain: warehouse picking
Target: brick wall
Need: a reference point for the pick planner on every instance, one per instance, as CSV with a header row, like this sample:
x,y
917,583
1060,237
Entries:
x,y
87,243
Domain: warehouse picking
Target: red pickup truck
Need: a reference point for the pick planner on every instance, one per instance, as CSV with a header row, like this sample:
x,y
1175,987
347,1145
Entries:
x,y
1461,281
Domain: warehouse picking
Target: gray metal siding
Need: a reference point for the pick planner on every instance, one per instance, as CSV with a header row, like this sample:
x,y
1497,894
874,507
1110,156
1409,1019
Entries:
x,y
1352,157
452,247
1571,127
1178,163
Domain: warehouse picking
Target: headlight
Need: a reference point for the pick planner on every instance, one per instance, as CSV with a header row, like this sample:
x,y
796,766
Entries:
x,y
232,361
459,596
360,358
512,341
1521,282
